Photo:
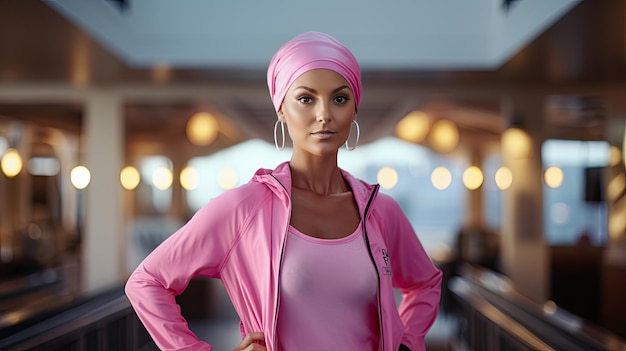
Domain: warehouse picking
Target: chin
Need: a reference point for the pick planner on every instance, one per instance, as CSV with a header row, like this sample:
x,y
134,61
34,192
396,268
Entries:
x,y
324,151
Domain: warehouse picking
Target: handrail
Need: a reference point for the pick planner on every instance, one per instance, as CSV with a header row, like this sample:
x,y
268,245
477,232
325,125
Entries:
x,y
43,307
518,332
22,291
105,321
551,324
35,281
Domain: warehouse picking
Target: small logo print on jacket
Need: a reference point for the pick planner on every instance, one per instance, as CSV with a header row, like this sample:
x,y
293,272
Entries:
x,y
386,268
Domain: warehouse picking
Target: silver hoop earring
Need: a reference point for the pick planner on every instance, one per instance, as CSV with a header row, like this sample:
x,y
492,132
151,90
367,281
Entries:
x,y
358,135
282,129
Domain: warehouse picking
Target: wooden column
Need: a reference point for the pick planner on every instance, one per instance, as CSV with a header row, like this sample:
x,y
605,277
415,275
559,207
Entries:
x,y
524,253
103,244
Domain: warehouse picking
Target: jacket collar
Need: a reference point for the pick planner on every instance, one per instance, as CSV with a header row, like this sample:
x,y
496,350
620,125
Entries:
x,y
361,190
279,180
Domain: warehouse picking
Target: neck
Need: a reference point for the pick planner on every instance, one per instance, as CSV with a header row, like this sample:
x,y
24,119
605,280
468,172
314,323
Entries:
x,y
321,176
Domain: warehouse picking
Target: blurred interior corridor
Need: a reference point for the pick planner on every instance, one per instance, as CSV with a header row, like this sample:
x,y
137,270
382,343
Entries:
x,y
499,126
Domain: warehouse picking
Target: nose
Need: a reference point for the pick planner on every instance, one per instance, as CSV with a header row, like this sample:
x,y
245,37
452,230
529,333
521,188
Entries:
x,y
323,118
323,113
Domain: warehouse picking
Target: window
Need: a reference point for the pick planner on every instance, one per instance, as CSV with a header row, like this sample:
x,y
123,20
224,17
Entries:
x,y
436,215
575,210
155,194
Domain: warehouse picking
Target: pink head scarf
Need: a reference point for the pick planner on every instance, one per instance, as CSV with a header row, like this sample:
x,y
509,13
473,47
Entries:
x,y
308,51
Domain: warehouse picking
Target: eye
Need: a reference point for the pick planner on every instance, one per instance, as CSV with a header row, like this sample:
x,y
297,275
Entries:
x,y
305,99
341,99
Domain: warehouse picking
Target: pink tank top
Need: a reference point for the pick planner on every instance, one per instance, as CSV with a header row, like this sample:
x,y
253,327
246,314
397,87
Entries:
x,y
327,295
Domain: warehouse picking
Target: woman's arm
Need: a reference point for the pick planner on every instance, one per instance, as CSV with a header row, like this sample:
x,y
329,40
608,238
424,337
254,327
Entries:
x,y
414,274
196,249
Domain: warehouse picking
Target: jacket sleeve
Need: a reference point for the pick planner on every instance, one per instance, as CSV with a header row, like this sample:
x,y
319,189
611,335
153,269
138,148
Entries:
x,y
199,248
414,274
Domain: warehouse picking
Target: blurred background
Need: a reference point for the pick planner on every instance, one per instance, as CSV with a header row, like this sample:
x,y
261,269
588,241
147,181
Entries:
x,y
498,125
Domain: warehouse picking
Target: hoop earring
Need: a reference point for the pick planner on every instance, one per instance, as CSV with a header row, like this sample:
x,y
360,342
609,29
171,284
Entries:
x,y
358,135
282,129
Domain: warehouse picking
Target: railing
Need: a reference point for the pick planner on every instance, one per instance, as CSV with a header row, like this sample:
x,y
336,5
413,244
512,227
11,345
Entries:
x,y
495,317
102,322
30,297
49,279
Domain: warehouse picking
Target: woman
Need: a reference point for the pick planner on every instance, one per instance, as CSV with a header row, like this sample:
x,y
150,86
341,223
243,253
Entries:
x,y
308,254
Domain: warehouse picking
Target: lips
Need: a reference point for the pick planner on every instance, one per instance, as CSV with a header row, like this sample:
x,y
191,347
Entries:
x,y
323,134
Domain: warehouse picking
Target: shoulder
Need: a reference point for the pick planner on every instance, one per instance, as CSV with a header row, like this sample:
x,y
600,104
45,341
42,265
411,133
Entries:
x,y
388,211
263,185
247,196
227,212
387,204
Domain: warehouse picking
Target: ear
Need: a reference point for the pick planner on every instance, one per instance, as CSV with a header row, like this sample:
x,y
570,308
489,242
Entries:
x,y
281,116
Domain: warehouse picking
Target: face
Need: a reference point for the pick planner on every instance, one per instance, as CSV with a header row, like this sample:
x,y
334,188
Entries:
x,y
318,110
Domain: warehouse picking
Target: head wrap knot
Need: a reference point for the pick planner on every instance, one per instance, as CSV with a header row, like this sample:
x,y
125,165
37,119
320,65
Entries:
x,y
308,51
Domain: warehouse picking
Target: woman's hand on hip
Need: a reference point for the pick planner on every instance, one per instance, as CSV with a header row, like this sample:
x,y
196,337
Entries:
x,y
252,342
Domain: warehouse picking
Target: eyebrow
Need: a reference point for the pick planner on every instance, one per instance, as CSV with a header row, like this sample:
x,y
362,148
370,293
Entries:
x,y
315,91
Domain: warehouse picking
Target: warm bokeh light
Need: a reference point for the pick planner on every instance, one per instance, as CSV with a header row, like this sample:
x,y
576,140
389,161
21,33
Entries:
x,y
227,179
553,177
80,177
11,163
515,143
615,156
473,178
162,178
441,178
413,127
202,129
444,136
549,307
503,178
189,178
130,177
387,177
616,186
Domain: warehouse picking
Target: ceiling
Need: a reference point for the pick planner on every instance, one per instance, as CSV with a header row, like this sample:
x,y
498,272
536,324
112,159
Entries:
x,y
451,58
445,34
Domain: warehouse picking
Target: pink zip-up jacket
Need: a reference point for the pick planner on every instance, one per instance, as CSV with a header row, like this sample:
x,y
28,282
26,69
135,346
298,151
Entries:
x,y
239,237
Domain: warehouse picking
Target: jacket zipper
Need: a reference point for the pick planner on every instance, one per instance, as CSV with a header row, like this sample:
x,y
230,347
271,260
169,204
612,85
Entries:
x,y
369,250
280,263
